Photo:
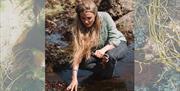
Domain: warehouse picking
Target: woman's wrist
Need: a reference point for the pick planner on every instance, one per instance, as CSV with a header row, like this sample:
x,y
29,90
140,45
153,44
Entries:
x,y
74,73
108,47
74,77
75,70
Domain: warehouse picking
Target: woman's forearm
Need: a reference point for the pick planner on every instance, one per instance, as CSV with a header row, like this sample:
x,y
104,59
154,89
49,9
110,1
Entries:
x,y
74,81
100,53
108,47
74,75
75,71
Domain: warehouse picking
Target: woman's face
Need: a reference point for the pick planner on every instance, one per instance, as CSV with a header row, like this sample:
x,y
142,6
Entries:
x,y
87,18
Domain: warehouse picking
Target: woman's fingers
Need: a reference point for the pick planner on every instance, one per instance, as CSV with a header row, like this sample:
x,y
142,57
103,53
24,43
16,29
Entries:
x,y
76,88
72,87
98,54
68,88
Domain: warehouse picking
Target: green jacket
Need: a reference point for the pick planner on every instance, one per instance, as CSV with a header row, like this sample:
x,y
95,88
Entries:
x,y
109,33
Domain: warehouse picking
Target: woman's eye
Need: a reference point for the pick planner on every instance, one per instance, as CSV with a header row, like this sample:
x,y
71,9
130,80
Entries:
x,y
83,18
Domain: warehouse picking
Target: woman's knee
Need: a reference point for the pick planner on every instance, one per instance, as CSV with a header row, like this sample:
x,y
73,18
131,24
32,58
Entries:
x,y
89,63
118,52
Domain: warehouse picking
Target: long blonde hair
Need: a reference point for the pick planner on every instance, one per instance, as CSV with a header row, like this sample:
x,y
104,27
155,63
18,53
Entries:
x,y
85,38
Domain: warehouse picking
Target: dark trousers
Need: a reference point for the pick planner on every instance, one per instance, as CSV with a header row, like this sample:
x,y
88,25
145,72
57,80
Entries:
x,y
120,64
105,71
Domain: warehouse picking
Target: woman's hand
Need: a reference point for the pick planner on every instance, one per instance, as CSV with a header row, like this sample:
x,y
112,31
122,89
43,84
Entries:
x,y
99,53
73,86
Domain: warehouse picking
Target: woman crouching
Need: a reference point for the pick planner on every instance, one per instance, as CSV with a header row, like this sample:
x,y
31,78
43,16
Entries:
x,y
98,45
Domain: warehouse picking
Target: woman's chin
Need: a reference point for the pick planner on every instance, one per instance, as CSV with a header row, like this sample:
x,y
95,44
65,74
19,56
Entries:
x,y
88,26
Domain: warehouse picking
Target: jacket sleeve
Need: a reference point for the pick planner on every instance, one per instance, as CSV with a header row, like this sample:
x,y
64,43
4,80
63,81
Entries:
x,y
114,36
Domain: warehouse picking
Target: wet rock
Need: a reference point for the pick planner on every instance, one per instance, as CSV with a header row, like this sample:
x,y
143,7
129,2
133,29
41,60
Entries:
x,y
147,74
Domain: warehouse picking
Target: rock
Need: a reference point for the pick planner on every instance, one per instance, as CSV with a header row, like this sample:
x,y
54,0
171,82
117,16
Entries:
x,y
126,24
127,4
116,8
